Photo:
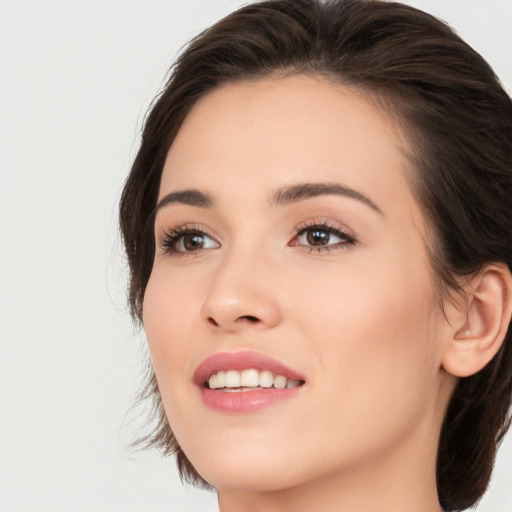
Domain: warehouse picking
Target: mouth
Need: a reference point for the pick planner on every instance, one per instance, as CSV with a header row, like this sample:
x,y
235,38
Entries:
x,y
245,381
251,379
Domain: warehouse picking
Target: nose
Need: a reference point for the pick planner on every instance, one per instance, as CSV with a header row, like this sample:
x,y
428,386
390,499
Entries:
x,y
241,295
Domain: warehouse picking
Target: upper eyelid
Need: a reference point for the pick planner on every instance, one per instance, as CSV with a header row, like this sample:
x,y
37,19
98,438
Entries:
x,y
173,234
332,231
321,227
325,223
177,230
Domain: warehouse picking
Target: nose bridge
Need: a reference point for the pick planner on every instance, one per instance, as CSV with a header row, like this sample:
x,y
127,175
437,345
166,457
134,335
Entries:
x,y
241,290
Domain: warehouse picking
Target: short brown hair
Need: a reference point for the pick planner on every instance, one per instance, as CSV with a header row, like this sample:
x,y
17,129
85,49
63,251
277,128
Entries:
x,y
458,120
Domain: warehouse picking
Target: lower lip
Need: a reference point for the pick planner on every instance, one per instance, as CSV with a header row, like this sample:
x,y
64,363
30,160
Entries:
x,y
246,401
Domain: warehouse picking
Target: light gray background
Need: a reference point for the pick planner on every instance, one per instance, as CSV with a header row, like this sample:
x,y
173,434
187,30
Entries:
x,y
76,77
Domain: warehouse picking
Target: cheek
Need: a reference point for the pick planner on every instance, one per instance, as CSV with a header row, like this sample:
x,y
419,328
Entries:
x,y
170,320
169,312
372,331
369,336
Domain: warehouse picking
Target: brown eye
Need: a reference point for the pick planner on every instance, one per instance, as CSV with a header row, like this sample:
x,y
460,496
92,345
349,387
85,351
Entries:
x,y
183,240
192,241
318,237
323,238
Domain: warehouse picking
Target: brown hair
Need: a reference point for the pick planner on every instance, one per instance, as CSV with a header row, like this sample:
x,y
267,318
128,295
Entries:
x,y
458,120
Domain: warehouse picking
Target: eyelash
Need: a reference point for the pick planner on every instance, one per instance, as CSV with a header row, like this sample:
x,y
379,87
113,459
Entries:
x,y
173,236
348,240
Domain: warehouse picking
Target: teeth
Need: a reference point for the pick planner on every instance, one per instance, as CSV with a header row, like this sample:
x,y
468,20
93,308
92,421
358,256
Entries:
x,y
251,379
280,382
232,379
266,379
212,381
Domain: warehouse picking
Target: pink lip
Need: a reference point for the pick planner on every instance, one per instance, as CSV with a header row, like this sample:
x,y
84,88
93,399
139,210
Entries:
x,y
243,401
241,361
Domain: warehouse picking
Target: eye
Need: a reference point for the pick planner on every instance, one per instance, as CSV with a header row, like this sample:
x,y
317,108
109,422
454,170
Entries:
x,y
184,240
322,237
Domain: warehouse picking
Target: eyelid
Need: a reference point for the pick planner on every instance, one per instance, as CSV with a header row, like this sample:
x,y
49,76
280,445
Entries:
x,y
335,228
170,236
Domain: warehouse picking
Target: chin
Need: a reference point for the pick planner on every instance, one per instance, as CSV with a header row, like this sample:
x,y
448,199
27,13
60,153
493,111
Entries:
x,y
251,468
250,477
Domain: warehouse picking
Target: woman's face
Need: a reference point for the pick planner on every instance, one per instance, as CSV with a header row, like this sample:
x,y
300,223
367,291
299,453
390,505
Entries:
x,y
289,245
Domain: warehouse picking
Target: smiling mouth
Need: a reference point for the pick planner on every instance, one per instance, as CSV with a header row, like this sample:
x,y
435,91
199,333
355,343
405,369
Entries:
x,y
245,382
251,379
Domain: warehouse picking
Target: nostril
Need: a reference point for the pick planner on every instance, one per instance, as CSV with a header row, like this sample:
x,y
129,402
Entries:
x,y
240,320
249,318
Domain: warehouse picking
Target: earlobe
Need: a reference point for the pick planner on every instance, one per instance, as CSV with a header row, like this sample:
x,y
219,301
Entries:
x,y
480,322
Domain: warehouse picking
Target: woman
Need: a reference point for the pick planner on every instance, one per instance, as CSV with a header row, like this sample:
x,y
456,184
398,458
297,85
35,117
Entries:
x,y
318,230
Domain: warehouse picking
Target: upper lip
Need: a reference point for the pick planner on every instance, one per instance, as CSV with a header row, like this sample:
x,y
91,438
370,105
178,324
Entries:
x,y
241,361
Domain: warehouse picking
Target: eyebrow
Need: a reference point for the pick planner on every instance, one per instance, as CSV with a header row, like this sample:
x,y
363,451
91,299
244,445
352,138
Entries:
x,y
303,191
283,196
191,197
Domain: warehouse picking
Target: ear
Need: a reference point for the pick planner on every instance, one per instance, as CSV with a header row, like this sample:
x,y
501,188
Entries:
x,y
479,322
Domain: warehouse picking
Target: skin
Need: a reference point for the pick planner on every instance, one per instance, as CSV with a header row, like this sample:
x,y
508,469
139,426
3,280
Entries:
x,y
360,321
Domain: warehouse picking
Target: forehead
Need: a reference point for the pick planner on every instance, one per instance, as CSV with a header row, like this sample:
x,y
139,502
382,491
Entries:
x,y
261,135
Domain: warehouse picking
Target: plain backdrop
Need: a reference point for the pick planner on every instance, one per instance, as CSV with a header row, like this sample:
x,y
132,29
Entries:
x,y
76,77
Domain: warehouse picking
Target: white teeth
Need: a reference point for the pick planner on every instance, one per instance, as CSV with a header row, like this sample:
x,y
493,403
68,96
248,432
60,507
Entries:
x,y
212,381
266,379
232,379
279,382
238,390
249,380
217,380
